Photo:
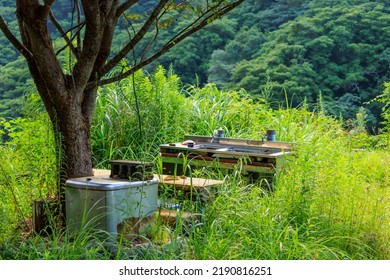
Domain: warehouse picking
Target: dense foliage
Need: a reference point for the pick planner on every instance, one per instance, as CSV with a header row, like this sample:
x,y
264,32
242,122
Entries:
x,y
338,51
304,49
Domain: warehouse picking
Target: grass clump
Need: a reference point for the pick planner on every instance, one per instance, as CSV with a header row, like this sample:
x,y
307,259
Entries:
x,y
330,202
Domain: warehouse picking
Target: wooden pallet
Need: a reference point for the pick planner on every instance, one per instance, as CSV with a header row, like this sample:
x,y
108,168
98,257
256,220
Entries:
x,y
171,217
197,187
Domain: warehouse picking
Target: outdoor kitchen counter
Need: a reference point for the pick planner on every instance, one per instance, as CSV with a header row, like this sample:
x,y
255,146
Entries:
x,y
224,150
257,159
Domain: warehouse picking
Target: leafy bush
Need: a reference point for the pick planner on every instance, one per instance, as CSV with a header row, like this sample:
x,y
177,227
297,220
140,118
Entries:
x,y
27,168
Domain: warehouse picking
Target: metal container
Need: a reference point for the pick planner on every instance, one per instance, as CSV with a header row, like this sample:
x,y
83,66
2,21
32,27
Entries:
x,y
107,204
271,135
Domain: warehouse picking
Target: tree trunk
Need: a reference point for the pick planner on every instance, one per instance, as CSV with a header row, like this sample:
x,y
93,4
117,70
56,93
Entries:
x,y
71,125
75,135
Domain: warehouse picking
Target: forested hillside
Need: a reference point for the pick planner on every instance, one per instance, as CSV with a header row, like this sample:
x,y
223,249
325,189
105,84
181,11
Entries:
x,y
304,50
341,51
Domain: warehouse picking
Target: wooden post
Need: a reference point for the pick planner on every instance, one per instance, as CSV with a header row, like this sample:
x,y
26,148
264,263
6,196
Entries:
x,y
38,219
42,209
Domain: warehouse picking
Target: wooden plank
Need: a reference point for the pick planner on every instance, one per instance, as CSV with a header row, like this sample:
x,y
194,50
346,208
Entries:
x,y
171,217
224,164
185,183
42,211
101,173
243,142
197,187
39,219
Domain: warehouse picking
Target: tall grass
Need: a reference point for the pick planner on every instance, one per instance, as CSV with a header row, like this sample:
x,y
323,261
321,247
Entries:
x,y
136,115
235,112
330,202
331,199
27,170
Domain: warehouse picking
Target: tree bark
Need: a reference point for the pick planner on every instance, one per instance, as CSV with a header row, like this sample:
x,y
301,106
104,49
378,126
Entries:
x,y
71,125
74,129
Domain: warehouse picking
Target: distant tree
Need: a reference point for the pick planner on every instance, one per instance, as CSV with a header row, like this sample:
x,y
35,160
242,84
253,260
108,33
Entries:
x,y
221,66
69,91
339,49
192,58
244,46
384,98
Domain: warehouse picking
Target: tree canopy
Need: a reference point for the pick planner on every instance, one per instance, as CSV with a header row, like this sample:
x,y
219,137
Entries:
x,y
304,49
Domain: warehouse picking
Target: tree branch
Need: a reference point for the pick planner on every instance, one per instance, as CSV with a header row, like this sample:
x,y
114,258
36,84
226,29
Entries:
x,y
186,32
47,7
96,17
136,39
91,44
63,35
75,51
149,46
79,28
17,44
124,6
43,64
49,3
108,35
